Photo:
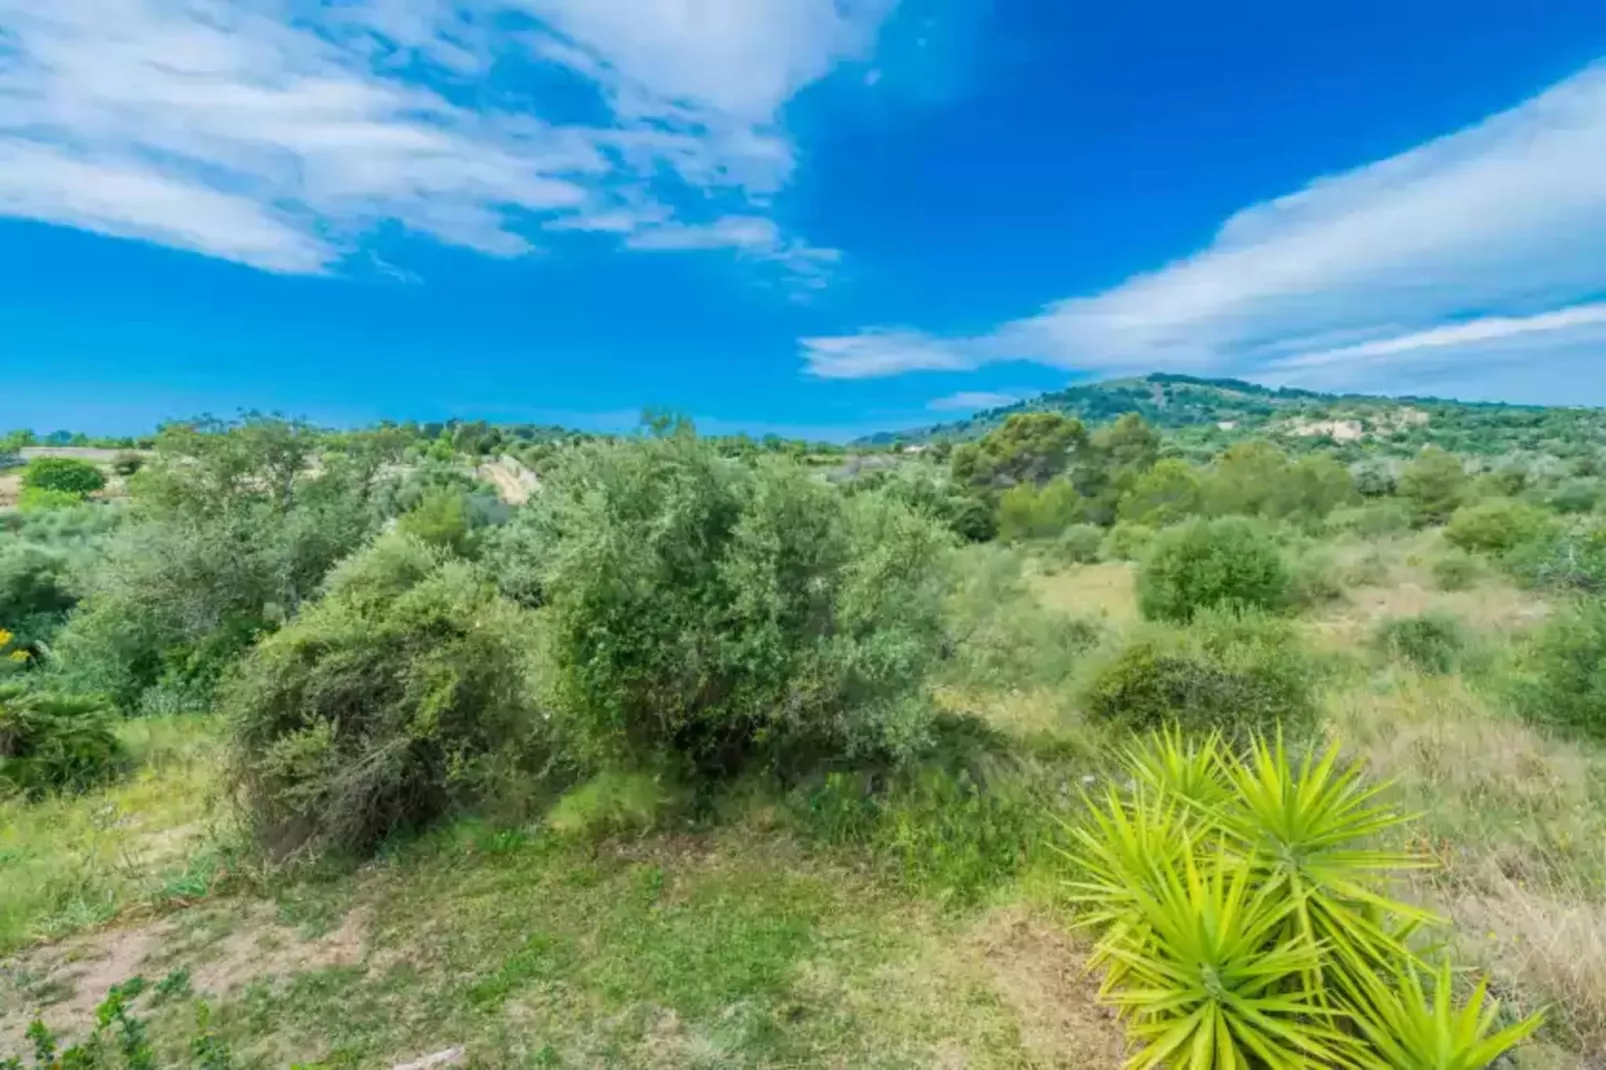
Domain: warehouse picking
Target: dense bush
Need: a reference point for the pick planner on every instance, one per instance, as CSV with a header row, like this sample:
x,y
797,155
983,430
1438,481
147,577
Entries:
x,y
1566,687
127,463
1127,542
68,474
724,612
35,591
233,527
1432,642
1208,563
1168,493
1433,486
398,696
47,499
1565,559
51,742
1314,579
1237,674
1079,544
1244,919
1575,496
1497,526
1370,520
1031,512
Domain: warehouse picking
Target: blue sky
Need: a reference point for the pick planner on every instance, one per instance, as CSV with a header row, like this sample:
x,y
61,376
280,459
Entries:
x,y
815,217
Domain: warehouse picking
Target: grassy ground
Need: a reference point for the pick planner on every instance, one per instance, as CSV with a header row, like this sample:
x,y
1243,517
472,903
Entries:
x,y
787,933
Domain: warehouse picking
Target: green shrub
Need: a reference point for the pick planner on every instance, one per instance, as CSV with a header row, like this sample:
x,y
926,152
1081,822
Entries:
x,y
1575,496
727,613
1079,544
1433,486
1127,542
1572,560
1455,572
1031,512
47,499
35,591
998,632
1168,493
1432,642
1566,687
401,695
67,474
1229,561
127,463
1242,904
1237,674
1497,526
51,742
441,518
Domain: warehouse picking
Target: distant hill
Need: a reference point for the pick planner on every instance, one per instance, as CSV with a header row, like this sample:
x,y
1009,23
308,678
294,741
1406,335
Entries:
x,y
1217,412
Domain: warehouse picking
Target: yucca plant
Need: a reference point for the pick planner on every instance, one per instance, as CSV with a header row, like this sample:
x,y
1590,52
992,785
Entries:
x,y
1243,917
1118,852
1169,764
1310,827
1408,1028
1212,985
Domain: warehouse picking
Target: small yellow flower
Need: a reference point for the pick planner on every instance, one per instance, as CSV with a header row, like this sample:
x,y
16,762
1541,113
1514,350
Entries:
x,y
5,637
18,656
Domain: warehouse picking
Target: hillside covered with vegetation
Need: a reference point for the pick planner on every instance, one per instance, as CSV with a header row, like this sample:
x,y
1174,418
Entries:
x,y
347,749
1207,414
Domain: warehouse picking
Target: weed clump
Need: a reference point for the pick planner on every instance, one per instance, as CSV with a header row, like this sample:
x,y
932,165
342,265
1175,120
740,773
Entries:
x,y
1566,688
1455,571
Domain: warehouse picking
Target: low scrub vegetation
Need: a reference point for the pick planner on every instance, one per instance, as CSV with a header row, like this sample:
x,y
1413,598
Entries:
x,y
51,742
1432,642
1244,918
1233,673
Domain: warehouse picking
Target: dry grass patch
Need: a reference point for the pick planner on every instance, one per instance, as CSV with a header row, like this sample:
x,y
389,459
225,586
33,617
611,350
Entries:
x,y
1107,590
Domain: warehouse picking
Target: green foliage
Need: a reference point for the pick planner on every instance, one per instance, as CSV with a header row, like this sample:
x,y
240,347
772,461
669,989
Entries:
x,y
1566,685
1497,526
1031,512
1245,479
1079,544
1311,488
51,742
401,695
999,634
616,804
36,591
1127,542
1168,493
1209,563
1112,462
726,613
1432,642
1371,520
1236,674
1434,486
68,474
960,510
119,1040
127,463
1565,559
234,526
1455,571
441,518
1243,918
1313,579
1576,496
1028,448
47,499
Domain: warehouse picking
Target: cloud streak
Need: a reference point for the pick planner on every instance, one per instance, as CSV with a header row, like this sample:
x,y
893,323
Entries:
x,y
282,133
1496,228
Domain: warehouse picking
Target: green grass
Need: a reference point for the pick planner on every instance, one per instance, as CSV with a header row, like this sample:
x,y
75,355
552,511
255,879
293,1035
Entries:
x,y
76,861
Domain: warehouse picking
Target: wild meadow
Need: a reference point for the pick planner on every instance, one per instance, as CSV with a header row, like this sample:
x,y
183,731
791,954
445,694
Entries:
x,y
1064,746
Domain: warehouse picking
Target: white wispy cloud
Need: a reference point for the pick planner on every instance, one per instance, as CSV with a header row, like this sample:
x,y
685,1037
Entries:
x,y
1495,230
278,133
971,401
